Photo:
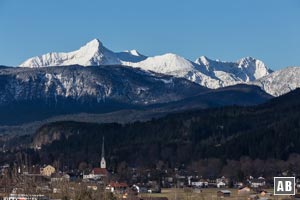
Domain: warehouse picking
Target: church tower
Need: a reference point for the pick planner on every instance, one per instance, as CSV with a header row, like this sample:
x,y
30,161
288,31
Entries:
x,y
103,162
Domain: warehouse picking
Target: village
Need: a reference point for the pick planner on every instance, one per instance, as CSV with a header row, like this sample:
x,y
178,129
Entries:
x,y
47,182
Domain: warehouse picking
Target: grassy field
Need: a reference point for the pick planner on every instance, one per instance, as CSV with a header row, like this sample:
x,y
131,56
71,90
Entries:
x,y
206,194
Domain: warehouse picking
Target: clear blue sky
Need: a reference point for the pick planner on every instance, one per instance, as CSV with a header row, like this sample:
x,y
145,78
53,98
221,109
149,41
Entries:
x,y
220,29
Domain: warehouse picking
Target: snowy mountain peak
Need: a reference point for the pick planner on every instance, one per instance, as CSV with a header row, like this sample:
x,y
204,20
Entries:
x,y
92,53
165,63
229,73
95,42
92,46
254,66
89,52
249,61
171,56
203,61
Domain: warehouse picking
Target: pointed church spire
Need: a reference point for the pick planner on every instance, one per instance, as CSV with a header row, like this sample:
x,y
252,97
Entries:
x,y
103,162
103,153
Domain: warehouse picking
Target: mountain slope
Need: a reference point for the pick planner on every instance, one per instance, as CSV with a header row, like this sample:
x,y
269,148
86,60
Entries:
x,y
240,94
30,94
72,89
280,82
265,131
206,72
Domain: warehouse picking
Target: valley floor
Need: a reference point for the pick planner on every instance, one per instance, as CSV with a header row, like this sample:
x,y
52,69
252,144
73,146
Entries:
x,y
208,194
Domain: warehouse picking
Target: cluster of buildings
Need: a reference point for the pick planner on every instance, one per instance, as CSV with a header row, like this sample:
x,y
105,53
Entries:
x,y
48,181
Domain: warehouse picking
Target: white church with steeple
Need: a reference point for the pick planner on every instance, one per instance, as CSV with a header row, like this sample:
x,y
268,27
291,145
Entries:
x,y
98,173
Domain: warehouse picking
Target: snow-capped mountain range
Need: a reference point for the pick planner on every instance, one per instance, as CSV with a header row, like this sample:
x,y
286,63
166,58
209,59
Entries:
x,y
204,71
93,53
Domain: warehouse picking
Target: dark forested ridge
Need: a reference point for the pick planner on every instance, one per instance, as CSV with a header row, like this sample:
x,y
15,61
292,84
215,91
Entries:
x,y
270,130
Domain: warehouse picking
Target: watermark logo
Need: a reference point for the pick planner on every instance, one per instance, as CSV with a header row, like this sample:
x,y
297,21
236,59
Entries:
x,y
284,185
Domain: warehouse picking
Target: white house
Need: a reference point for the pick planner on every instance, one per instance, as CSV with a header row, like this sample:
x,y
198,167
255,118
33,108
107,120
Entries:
x,y
96,174
198,183
259,182
221,184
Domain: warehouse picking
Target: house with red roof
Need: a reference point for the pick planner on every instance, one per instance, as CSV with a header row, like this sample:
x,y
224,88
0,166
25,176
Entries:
x,y
117,187
96,174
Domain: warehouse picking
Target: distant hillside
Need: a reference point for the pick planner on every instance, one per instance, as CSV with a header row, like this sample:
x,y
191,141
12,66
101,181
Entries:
x,y
35,94
270,130
28,95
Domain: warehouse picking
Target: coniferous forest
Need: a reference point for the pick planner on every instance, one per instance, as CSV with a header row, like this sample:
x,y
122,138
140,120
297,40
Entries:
x,y
229,138
267,131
